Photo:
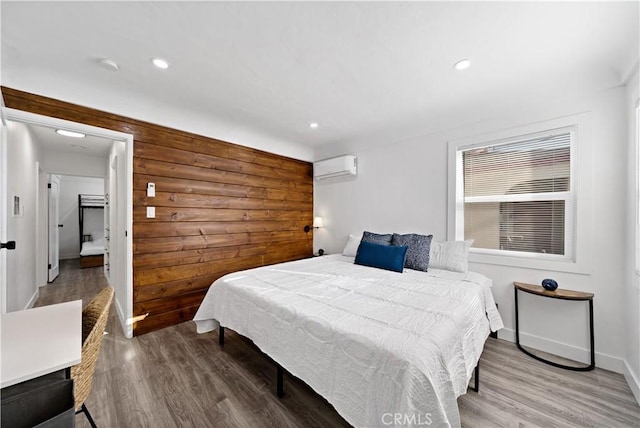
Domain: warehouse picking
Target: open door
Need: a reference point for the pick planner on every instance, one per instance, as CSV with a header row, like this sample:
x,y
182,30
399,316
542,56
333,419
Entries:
x,y
54,235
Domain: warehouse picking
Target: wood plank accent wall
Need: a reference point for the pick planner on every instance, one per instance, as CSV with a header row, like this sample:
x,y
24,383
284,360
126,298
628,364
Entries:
x,y
220,208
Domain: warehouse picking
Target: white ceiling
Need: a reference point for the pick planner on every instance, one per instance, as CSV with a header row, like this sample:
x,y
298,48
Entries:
x,y
49,140
363,70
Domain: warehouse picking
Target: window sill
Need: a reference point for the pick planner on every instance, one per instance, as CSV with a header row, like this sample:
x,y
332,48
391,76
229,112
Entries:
x,y
530,263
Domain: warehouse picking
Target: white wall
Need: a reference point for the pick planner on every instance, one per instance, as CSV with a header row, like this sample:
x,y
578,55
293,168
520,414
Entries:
x,y
73,163
632,280
22,173
70,188
402,187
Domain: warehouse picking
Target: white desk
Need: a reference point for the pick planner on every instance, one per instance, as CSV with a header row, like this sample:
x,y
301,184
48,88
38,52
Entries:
x,y
39,341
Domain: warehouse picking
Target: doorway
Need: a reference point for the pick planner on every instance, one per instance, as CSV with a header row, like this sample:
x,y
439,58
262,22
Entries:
x,y
121,147
53,265
82,221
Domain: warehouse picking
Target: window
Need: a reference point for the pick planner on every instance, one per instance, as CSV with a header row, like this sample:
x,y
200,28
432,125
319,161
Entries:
x,y
516,196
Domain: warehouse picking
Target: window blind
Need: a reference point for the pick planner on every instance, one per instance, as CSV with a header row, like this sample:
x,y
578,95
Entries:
x,y
517,195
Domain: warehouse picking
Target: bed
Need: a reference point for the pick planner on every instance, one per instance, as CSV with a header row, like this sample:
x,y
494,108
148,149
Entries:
x,y
91,226
94,247
376,344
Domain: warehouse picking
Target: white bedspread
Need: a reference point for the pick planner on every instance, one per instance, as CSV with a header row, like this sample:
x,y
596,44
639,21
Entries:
x,y
383,348
92,248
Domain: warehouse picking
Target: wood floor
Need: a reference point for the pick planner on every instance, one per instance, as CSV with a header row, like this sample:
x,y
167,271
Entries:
x,y
177,378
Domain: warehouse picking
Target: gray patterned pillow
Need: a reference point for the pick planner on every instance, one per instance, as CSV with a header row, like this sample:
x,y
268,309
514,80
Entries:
x,y
375,238
418,252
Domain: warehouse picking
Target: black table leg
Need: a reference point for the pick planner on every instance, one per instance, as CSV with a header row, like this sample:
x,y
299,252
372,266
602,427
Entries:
x,y
221,335
592,338
515,291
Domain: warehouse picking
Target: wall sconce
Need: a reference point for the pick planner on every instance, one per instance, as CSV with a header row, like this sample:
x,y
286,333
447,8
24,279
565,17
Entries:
x,y
317,223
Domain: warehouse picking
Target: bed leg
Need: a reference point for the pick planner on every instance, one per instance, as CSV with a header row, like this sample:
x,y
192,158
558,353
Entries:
x,y
476,381
221,335
280,381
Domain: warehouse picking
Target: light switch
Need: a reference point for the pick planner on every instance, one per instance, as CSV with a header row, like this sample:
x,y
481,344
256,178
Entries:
x,y
151,212
151,190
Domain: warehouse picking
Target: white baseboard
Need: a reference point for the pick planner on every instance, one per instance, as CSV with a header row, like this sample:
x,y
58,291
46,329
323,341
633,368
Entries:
x,y
68,256
632,380
575,353
32,300
127,328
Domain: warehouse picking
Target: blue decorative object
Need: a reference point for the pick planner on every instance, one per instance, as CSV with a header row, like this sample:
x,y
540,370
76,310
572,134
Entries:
x,y
381,256
549,284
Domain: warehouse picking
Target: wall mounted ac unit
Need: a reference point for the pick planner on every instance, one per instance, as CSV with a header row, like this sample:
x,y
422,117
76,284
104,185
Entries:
x,y
335,167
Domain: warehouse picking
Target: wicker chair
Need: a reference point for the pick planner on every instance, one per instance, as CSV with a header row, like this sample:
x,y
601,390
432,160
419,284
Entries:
x,y
94,321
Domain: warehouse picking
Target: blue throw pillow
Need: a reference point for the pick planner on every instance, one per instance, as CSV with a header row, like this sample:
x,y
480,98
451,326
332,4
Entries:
x,y
418,252
381,256
376,238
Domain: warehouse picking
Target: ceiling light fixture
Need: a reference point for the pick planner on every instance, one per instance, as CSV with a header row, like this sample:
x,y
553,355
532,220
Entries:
x,y
462,64
160,63
70,133
78,146
313,125
109,64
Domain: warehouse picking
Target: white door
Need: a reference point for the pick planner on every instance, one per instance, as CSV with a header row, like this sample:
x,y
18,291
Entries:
x,y
54,246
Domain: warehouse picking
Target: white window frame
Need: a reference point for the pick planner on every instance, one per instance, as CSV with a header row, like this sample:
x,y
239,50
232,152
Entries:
x,y
577,218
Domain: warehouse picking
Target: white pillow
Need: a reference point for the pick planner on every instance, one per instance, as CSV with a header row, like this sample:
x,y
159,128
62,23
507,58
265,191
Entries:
x,y
351,248
450,255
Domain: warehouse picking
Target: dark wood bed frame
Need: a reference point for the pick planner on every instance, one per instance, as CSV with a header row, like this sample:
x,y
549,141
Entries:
x,y
91,261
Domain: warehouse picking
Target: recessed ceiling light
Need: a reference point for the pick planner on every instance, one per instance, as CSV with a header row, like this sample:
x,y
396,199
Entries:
x,y
462,64
313,125
109,64
78,146
70,133
160,63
